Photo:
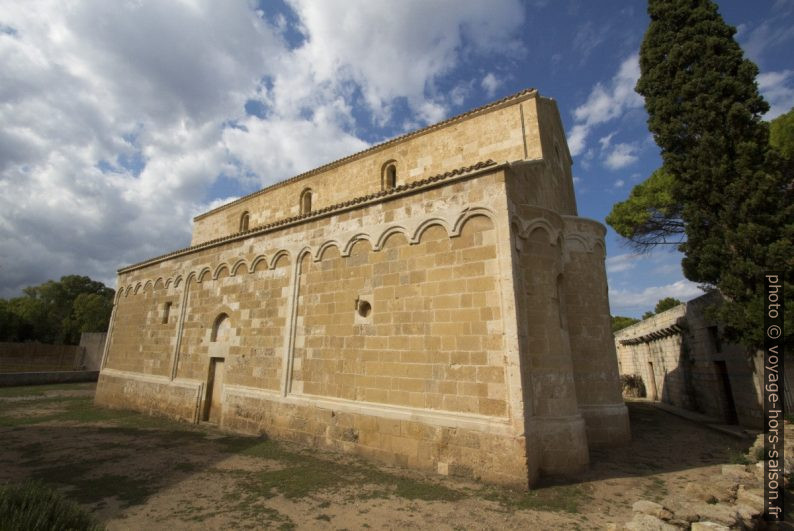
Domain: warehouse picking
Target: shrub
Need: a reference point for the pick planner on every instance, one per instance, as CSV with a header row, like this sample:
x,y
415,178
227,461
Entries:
x,y
632,385
36,507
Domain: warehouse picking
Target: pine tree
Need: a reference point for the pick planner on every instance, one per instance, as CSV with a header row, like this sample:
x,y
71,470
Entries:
x,y
705,114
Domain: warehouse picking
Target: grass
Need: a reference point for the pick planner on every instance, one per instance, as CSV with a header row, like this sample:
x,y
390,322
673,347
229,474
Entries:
x,y
91,472
737,457
559,498
33,505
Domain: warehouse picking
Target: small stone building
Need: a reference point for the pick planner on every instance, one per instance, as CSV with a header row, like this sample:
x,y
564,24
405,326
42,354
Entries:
x,y
433,301
678,357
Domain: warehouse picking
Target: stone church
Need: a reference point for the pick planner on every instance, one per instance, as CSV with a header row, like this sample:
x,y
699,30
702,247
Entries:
x,y
433,301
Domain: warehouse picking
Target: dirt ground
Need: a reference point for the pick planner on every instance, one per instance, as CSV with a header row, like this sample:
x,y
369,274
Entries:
x,y
137,472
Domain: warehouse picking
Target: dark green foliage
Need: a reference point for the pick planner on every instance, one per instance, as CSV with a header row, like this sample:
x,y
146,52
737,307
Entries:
x,y
57,312
36,507
735,193
648,315
666,304
781,135
650,216
620,322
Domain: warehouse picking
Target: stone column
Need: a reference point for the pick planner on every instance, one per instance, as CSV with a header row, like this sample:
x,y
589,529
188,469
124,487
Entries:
x,y
586,308
555,422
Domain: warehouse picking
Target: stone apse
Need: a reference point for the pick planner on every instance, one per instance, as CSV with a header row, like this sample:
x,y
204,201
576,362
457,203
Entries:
x,y
433,301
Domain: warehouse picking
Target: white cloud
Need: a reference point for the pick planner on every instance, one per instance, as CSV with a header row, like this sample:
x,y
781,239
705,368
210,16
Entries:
x,y
398,49
119,117
490,84
622,262
605,141
606,103
620,156
624,302
619,183
768,34
778,89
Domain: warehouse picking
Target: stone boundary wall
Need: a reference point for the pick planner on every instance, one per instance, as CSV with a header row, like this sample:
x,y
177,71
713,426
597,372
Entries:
x,y
36,357
682,360
94,345
15,379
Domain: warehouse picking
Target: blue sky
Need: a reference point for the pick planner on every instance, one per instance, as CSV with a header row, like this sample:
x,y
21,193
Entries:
x,y
120,121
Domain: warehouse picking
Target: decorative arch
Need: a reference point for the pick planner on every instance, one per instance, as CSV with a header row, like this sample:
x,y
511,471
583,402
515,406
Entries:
x,y
466,215
574,239
283,253
389,232
221,326
237,265
219,270
202,276
149,285
426,224
256,261
299,256
306,200
354,240
544,224
244,221
318,255
137,288
177,281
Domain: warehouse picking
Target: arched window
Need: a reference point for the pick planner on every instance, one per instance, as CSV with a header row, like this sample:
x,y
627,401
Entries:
x,y
220,328
306,201
389,176
244,222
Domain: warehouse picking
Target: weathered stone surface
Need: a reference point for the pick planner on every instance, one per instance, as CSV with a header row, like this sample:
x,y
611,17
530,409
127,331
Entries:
x,y
736,472
752,497
708,526
652,509
455,320
645,522
720,513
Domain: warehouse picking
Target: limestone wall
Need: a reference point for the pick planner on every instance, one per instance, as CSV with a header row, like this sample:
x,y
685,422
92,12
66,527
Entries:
x,y
682,361
430,351
504,131
430,325
94,345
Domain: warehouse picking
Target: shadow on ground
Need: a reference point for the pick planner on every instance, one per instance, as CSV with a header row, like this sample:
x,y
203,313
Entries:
x,y
661,443
143,469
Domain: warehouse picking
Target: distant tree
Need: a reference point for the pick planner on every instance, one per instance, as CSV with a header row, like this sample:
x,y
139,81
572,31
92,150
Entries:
x,y
57,311
735,193
90,313
666,304
648,314
620,322
781,134
650,216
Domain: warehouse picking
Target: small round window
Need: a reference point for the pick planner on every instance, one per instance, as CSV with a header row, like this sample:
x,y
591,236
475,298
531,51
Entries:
x,y
364,308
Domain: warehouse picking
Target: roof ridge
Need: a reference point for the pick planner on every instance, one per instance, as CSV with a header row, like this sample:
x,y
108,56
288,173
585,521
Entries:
x,y
315,213
376,147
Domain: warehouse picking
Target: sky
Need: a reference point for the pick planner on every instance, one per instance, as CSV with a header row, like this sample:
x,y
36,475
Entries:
x,y
120,121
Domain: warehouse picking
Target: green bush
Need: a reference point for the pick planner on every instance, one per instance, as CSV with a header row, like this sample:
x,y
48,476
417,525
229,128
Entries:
x,y
34,506
633,385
